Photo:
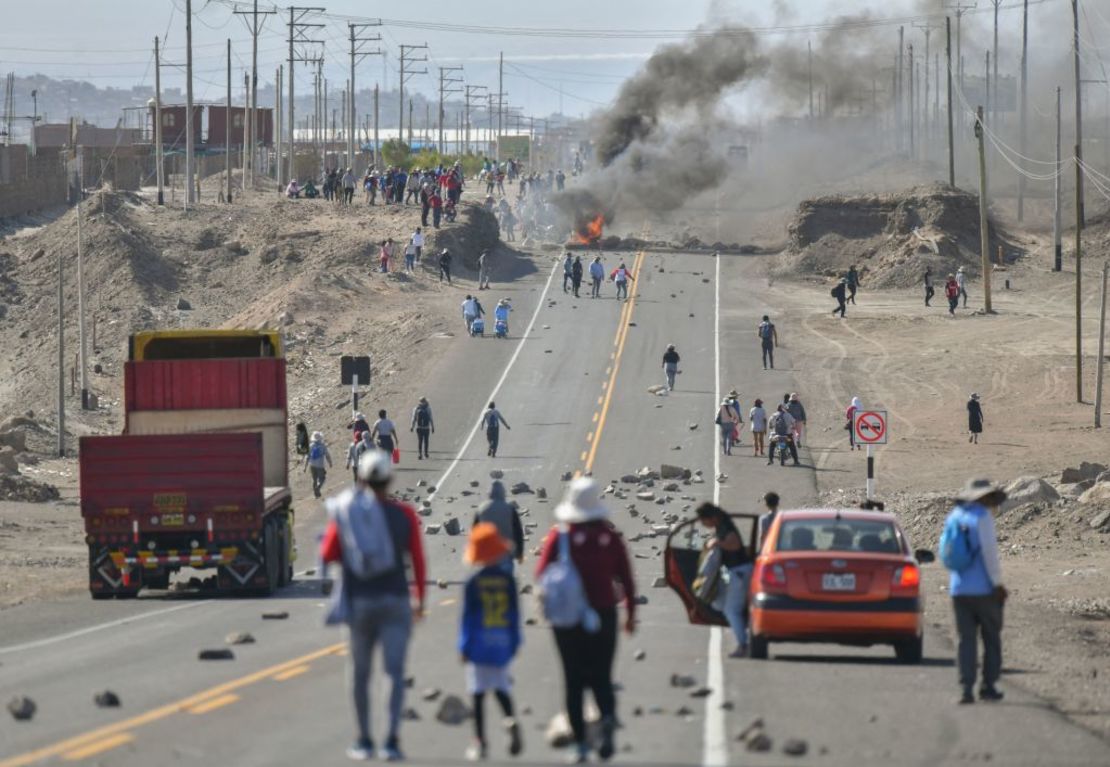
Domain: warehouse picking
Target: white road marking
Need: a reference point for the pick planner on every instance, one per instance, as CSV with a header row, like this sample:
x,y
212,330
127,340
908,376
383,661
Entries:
x,y
715,744
500,382
93,629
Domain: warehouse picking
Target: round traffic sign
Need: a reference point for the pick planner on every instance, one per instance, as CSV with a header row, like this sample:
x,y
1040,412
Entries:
x,y
871,427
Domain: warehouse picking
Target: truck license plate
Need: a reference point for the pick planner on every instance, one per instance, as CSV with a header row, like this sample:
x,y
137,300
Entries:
x,y
173,519
838,582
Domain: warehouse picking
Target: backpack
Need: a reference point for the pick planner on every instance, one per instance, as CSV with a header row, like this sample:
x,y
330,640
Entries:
x,y
780,427
956,552
765,330
562,595
833,293
316,451
422,417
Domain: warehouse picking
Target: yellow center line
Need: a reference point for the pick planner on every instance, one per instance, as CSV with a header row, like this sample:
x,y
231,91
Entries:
x,y
290,673
215,703
98,747
185,704
622,336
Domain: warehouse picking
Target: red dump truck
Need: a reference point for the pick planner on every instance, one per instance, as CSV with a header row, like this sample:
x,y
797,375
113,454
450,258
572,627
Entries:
x,y
199,478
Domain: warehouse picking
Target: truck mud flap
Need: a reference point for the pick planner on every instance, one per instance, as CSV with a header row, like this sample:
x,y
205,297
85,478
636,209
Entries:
x,y
107,579
247,572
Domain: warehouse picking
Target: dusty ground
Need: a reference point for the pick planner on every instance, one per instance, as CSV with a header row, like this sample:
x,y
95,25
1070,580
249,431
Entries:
x,y
305,266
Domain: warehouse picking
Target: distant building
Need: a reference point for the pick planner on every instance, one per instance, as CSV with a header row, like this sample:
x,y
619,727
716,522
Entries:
x,y
217,126
55,135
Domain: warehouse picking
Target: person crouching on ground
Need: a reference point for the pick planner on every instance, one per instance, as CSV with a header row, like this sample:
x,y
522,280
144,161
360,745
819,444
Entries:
x,y
371,536
489,634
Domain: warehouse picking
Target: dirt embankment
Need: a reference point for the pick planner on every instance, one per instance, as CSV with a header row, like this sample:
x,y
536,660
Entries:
x,y
890,238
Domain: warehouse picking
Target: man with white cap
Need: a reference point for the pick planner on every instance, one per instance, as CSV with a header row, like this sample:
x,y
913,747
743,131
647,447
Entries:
x,y
317,461
371,535
969,549
587,541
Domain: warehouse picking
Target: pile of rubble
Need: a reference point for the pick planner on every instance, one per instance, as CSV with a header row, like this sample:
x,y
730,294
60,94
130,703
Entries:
x,y
14,485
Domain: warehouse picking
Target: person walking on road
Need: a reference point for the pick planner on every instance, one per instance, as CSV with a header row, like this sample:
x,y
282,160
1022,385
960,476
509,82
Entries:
x,y
670,366
576,270
445,266
483,270
839,292
424,426
491,423
728,420
597,275
364,444
769,339
952,293
961,283
853,283
621,278
384,432
469,311
505,517
771,501
736,561
317,462
798,413
855,406
974,418
757,418
927,280
969,550
489,634
568,272
585,539
371,536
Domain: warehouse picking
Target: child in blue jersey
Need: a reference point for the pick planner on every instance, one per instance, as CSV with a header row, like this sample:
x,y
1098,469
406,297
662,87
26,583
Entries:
x,y
489,634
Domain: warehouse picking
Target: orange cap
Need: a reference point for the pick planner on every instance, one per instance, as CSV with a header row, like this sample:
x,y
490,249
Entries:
x,y
486,546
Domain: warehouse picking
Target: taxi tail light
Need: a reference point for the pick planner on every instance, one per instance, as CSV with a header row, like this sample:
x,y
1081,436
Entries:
x,y
773,576
907,577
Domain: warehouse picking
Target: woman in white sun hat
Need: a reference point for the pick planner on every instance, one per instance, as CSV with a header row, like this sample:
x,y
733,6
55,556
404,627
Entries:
x,y
585,540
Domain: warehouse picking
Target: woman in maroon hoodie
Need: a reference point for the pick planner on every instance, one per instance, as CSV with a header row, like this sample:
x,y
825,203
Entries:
x,y
599,554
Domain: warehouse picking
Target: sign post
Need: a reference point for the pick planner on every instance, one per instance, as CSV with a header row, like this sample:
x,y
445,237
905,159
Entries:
x,y
870,429
352,370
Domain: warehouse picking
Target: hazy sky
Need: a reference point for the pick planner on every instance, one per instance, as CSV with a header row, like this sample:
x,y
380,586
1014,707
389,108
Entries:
x,y
109,42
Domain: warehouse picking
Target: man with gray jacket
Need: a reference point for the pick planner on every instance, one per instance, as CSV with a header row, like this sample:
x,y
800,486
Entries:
x,y
504,516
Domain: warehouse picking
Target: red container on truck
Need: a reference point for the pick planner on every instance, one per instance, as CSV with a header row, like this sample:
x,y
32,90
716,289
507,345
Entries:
x,y
199,478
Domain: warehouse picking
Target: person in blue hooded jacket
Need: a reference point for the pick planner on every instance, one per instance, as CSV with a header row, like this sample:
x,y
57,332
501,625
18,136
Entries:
x,y
977,592
489,634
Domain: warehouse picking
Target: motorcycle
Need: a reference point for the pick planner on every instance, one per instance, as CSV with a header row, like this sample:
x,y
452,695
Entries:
x,y
501,329
783,444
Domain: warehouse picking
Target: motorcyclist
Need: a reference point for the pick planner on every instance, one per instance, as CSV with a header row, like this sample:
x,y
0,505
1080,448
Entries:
x,y
781,426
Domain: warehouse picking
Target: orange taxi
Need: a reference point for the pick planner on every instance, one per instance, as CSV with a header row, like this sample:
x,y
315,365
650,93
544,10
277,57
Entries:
x,y
840,576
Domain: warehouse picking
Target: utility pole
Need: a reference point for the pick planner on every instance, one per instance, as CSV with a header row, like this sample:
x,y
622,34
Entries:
x,y
298,34
471,91
190,189
500,101
1058,263
809,52
898,86
227,125
377,143
1024,102
407,58
84,359
960,8
913,117
1101,348
984,232
251,124
61,445
410,123
357,55
446,81
992,105
1078,213
951,134
1079,217
278,138
158,151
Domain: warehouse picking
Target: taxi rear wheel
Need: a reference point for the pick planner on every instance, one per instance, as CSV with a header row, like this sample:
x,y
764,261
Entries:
x,y
909,651
758,648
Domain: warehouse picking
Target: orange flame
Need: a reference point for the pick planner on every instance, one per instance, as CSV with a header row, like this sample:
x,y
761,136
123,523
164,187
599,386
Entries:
x,y
590,232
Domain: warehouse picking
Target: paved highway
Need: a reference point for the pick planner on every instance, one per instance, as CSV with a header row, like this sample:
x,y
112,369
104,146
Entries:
x,y
572,382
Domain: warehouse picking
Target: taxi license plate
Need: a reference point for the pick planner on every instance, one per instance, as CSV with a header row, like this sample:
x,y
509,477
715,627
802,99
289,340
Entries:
x,y
838,582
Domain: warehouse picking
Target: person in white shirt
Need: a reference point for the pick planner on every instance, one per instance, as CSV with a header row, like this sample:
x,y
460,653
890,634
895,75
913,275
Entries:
x,y
961,281
418,243
757,417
